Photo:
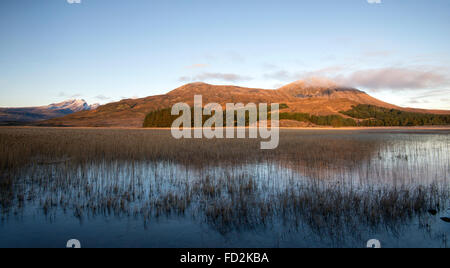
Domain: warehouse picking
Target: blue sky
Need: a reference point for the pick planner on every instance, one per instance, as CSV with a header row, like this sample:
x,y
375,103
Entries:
x,y
106,50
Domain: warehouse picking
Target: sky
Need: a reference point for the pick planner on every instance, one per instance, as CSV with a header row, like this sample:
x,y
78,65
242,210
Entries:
x,y
108,50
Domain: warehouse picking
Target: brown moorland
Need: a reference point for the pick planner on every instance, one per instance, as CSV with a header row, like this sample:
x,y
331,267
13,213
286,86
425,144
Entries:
x,y
300,96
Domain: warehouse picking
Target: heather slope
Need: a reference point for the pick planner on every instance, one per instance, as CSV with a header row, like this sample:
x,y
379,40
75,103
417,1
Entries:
x,y
301,97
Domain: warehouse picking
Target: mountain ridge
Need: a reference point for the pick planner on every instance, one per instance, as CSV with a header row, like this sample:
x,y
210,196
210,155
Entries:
x,y
21,115
300,97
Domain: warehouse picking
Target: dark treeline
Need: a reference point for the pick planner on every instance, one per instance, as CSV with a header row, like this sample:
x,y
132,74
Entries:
x,y
160,119
327,120
164,119
368,115
378,116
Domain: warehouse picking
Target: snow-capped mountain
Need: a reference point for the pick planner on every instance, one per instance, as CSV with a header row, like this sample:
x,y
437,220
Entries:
x,y
54,110
73,105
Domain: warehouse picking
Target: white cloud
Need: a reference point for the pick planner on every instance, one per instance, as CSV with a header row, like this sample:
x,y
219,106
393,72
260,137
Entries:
x,y
228,77
63,94
74,1
287,76
374,1
395,78
197,66
389,78
102,97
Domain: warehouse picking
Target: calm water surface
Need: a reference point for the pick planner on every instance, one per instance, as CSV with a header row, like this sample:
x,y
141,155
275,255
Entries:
x,y
253,204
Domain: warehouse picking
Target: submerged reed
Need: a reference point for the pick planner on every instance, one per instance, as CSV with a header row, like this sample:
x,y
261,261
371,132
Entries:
x,y
334,182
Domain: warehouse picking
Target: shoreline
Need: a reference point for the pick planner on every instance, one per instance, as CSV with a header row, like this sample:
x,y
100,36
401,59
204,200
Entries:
x,y
282,128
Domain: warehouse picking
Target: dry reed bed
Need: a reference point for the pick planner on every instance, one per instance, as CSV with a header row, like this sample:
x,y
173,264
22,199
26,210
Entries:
x,y
327,180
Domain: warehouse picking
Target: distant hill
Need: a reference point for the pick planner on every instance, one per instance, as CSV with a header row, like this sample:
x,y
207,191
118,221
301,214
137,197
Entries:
x,y
315,99
18,116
